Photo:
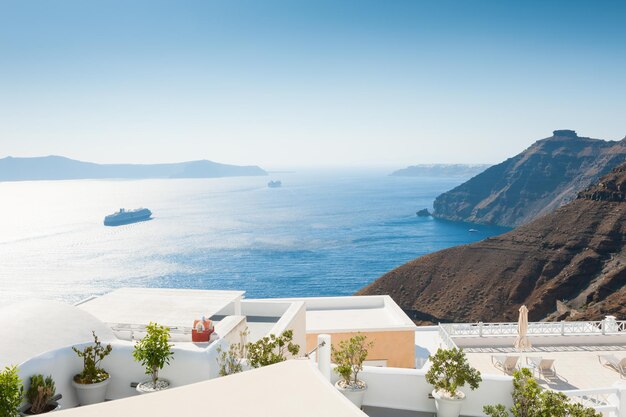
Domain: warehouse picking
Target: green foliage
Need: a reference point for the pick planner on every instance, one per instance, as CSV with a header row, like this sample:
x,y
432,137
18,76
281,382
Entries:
x,y
11,392
450,370
530,400
154,350
39,393
231,361
349,358
92,356
271,349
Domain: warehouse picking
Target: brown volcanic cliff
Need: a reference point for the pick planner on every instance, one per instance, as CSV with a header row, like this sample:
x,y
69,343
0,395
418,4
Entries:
x,y
574,256
536,182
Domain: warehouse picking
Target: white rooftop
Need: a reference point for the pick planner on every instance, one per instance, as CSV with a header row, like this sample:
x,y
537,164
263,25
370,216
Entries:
x,y
34,327
170,307
351,314
577,367
287,389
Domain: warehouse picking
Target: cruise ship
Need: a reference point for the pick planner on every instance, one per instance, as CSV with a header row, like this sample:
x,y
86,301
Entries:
x,y
127,216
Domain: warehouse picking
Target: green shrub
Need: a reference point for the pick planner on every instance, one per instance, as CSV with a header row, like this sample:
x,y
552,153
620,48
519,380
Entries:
x,y
92,356
349,358
39,393
271,349
231,361
530,400
11,392
450,370
154,350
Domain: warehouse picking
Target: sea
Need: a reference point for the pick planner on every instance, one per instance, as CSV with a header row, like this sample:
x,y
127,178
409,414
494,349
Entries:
x,y
323,233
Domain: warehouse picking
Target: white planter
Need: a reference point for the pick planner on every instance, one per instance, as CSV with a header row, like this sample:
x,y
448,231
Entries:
x,y
447,407
52,406
146,387
353,394
91,393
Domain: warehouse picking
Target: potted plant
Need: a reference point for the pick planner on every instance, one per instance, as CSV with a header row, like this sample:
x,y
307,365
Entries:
x,y
91,384
449,371
40,395
529,399
349,358
11,392
154,352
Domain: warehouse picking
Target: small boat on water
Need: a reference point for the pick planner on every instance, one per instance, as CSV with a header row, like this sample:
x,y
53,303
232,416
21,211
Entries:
x,y
472,230
274,184
127,216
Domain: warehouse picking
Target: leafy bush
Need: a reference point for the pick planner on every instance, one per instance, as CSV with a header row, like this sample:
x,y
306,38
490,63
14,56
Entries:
x,y
231,361
39,393
530,400
349,358
11,392
92,356
450,370
154,350
271,349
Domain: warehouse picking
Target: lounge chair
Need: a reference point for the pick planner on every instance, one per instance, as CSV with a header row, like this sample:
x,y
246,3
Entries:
x,y
614,362
505,363
544,367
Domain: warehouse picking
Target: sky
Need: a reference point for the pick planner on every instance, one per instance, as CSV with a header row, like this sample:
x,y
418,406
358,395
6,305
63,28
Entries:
x,y
307,83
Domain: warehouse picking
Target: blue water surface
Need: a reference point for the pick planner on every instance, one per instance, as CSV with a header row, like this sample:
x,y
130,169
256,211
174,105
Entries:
x,y
322,233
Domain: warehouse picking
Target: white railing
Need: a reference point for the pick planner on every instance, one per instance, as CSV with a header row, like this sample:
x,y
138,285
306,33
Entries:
x,y
445,337
602,327
131,329
603,400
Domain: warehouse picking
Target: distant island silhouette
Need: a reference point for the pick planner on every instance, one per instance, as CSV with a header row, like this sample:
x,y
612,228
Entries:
x,y
441,170
61,168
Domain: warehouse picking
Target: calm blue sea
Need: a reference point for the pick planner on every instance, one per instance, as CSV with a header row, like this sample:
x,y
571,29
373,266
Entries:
x,y
322,233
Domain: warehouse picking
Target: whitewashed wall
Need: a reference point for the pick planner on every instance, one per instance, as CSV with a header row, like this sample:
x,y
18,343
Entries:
x,y
190,364
407,389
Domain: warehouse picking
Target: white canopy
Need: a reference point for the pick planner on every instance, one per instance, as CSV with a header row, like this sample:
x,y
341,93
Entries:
x,y
33,327
166,306
289,389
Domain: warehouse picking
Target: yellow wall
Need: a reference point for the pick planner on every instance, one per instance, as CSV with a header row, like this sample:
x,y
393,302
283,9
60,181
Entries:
x,y
396,347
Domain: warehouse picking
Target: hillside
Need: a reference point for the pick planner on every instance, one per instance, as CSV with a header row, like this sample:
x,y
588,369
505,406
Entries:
x,y
535,182
575,256
60,168
441,170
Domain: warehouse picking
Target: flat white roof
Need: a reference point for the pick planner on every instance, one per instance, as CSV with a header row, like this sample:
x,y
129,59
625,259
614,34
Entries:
x,y
353,314
170,307
34,327
287,389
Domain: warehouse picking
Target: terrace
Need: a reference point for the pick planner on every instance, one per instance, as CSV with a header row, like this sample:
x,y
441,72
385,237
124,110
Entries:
x,y
396,387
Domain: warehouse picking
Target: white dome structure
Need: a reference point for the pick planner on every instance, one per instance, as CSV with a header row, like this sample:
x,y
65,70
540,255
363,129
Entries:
x,y
33,327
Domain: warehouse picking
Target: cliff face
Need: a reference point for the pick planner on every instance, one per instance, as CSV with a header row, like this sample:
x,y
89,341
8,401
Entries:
x,y
574,256
536,182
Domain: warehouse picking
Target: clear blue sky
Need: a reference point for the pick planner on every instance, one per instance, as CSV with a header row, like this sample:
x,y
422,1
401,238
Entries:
x,y
302,83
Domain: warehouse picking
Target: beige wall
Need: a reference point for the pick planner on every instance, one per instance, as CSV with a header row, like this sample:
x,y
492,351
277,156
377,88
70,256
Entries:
x,y
396,347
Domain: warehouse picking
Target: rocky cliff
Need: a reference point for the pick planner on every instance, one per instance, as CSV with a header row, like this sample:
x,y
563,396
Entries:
x,y
568,264
537,181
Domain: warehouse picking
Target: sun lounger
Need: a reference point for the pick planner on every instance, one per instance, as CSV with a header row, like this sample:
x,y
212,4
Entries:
x,y
544,367
614,362
505,363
